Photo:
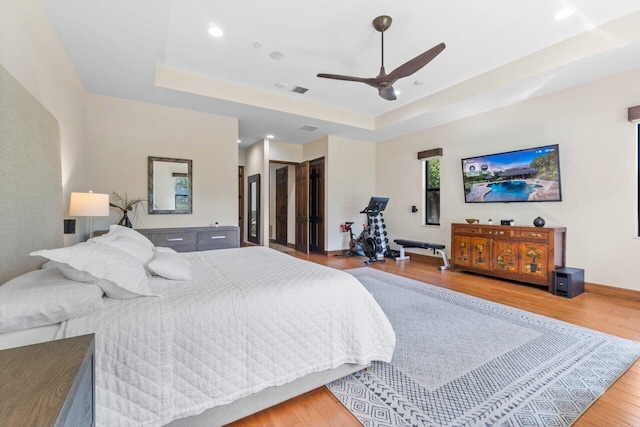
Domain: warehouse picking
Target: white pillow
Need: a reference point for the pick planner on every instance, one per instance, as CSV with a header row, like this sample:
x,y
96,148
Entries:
x,y
165,250
45,297
113,270
116,231
170,266
132,247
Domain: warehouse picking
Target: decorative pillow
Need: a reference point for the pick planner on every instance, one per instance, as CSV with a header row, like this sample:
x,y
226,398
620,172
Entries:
x,y
132,247
113,270
170,266
45,297
116,231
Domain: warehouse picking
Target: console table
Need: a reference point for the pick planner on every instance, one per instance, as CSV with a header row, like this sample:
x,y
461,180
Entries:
x,y
523,254
48,384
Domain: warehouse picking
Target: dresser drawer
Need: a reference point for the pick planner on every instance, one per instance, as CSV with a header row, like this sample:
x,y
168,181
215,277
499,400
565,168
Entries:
x,y
471,229
533,234
183,238
217,238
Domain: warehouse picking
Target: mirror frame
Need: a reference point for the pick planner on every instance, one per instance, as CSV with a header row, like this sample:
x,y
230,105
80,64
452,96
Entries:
x,y
150,208
250,180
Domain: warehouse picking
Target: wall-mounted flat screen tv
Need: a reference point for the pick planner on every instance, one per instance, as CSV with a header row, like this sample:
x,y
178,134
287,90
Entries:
x,y
531,175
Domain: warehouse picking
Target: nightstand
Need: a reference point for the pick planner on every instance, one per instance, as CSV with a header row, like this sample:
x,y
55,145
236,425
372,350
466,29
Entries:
x,y
48,384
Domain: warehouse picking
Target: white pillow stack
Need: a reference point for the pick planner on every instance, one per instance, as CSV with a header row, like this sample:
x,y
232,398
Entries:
x,y
129,241
117,273
45,297
160,261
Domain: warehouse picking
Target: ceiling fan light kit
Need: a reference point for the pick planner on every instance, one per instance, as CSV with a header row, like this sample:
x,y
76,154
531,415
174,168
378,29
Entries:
x,y
383,81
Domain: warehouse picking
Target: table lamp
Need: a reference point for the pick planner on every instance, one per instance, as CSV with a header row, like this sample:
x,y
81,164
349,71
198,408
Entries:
x,y
89,204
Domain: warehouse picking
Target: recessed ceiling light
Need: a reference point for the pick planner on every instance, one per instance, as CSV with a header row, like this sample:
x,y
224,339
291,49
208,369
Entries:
x,y
563,13
239,141
270,136
215,31
397,92
418,83
278,56
282,85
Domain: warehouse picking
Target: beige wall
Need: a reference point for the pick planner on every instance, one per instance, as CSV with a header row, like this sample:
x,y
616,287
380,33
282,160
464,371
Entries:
x,y
31,51
598,169
351,178
122,134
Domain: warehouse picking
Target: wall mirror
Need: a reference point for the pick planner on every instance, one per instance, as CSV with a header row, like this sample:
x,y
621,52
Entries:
x,y
253,209
170,186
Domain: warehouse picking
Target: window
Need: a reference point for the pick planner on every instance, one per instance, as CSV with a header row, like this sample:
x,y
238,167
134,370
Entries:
x,y
432,191
638,187
181,192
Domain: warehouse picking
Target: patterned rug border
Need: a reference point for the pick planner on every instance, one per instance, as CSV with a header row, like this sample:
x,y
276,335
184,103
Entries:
x,y
515,404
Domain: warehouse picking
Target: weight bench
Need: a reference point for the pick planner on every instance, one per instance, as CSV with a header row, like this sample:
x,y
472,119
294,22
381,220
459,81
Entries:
x,y
437,248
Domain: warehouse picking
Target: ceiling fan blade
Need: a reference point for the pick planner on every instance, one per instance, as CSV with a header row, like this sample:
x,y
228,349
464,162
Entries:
x,y
370,81
387,93
415,64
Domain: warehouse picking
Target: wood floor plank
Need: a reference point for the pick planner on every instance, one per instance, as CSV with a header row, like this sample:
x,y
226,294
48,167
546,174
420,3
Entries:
x,y
619,406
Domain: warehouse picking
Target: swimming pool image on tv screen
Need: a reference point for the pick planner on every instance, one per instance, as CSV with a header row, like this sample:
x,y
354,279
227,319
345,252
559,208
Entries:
x,y
530,175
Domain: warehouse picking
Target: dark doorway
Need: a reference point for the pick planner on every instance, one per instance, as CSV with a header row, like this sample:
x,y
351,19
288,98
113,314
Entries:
x,y
282,204
302,207
316,205
241,203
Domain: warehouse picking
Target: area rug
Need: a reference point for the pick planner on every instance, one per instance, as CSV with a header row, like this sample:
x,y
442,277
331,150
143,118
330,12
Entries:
x,y
465,361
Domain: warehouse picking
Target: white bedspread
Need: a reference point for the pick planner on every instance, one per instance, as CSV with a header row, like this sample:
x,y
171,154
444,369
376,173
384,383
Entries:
x,y
250,318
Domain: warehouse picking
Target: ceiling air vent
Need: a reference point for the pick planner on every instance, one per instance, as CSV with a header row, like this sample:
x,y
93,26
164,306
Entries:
x,y
299,89
310,128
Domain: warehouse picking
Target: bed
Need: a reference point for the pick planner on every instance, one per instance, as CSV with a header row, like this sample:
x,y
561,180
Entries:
x,y
247,329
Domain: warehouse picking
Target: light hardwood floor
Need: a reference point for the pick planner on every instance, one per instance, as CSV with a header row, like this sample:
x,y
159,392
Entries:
x,y
619,406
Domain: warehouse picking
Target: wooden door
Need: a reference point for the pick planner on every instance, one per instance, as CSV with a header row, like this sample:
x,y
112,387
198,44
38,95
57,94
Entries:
x,y
480,253
534,261
282,203
316,205
241,203
462,254
504,256
302,207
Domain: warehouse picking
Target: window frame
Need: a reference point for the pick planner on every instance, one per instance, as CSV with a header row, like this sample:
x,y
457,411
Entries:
x,y
428,190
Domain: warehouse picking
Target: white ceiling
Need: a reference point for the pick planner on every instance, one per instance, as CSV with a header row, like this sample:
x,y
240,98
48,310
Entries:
x,y
498,52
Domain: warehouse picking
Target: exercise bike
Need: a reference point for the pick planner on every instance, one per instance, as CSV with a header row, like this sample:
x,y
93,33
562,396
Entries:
x,y
365,244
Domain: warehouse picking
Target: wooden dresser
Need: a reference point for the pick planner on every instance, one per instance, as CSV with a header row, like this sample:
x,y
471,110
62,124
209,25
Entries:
x,y
524,254
48,384
191,239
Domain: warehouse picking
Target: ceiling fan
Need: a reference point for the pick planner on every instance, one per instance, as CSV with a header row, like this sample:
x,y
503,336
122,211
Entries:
x,y
384,82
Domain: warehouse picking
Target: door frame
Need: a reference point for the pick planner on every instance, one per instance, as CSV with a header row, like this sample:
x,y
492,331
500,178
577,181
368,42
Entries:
x,y
281,235
302,207
241,203
255,180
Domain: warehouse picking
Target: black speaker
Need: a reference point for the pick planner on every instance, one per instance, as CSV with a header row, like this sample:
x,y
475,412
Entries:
x,y
568,282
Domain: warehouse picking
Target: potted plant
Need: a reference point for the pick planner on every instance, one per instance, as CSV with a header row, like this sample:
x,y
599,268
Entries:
x,y
126,205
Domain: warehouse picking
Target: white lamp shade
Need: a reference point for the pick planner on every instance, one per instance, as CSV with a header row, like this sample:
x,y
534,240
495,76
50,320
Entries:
x,y
89,204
